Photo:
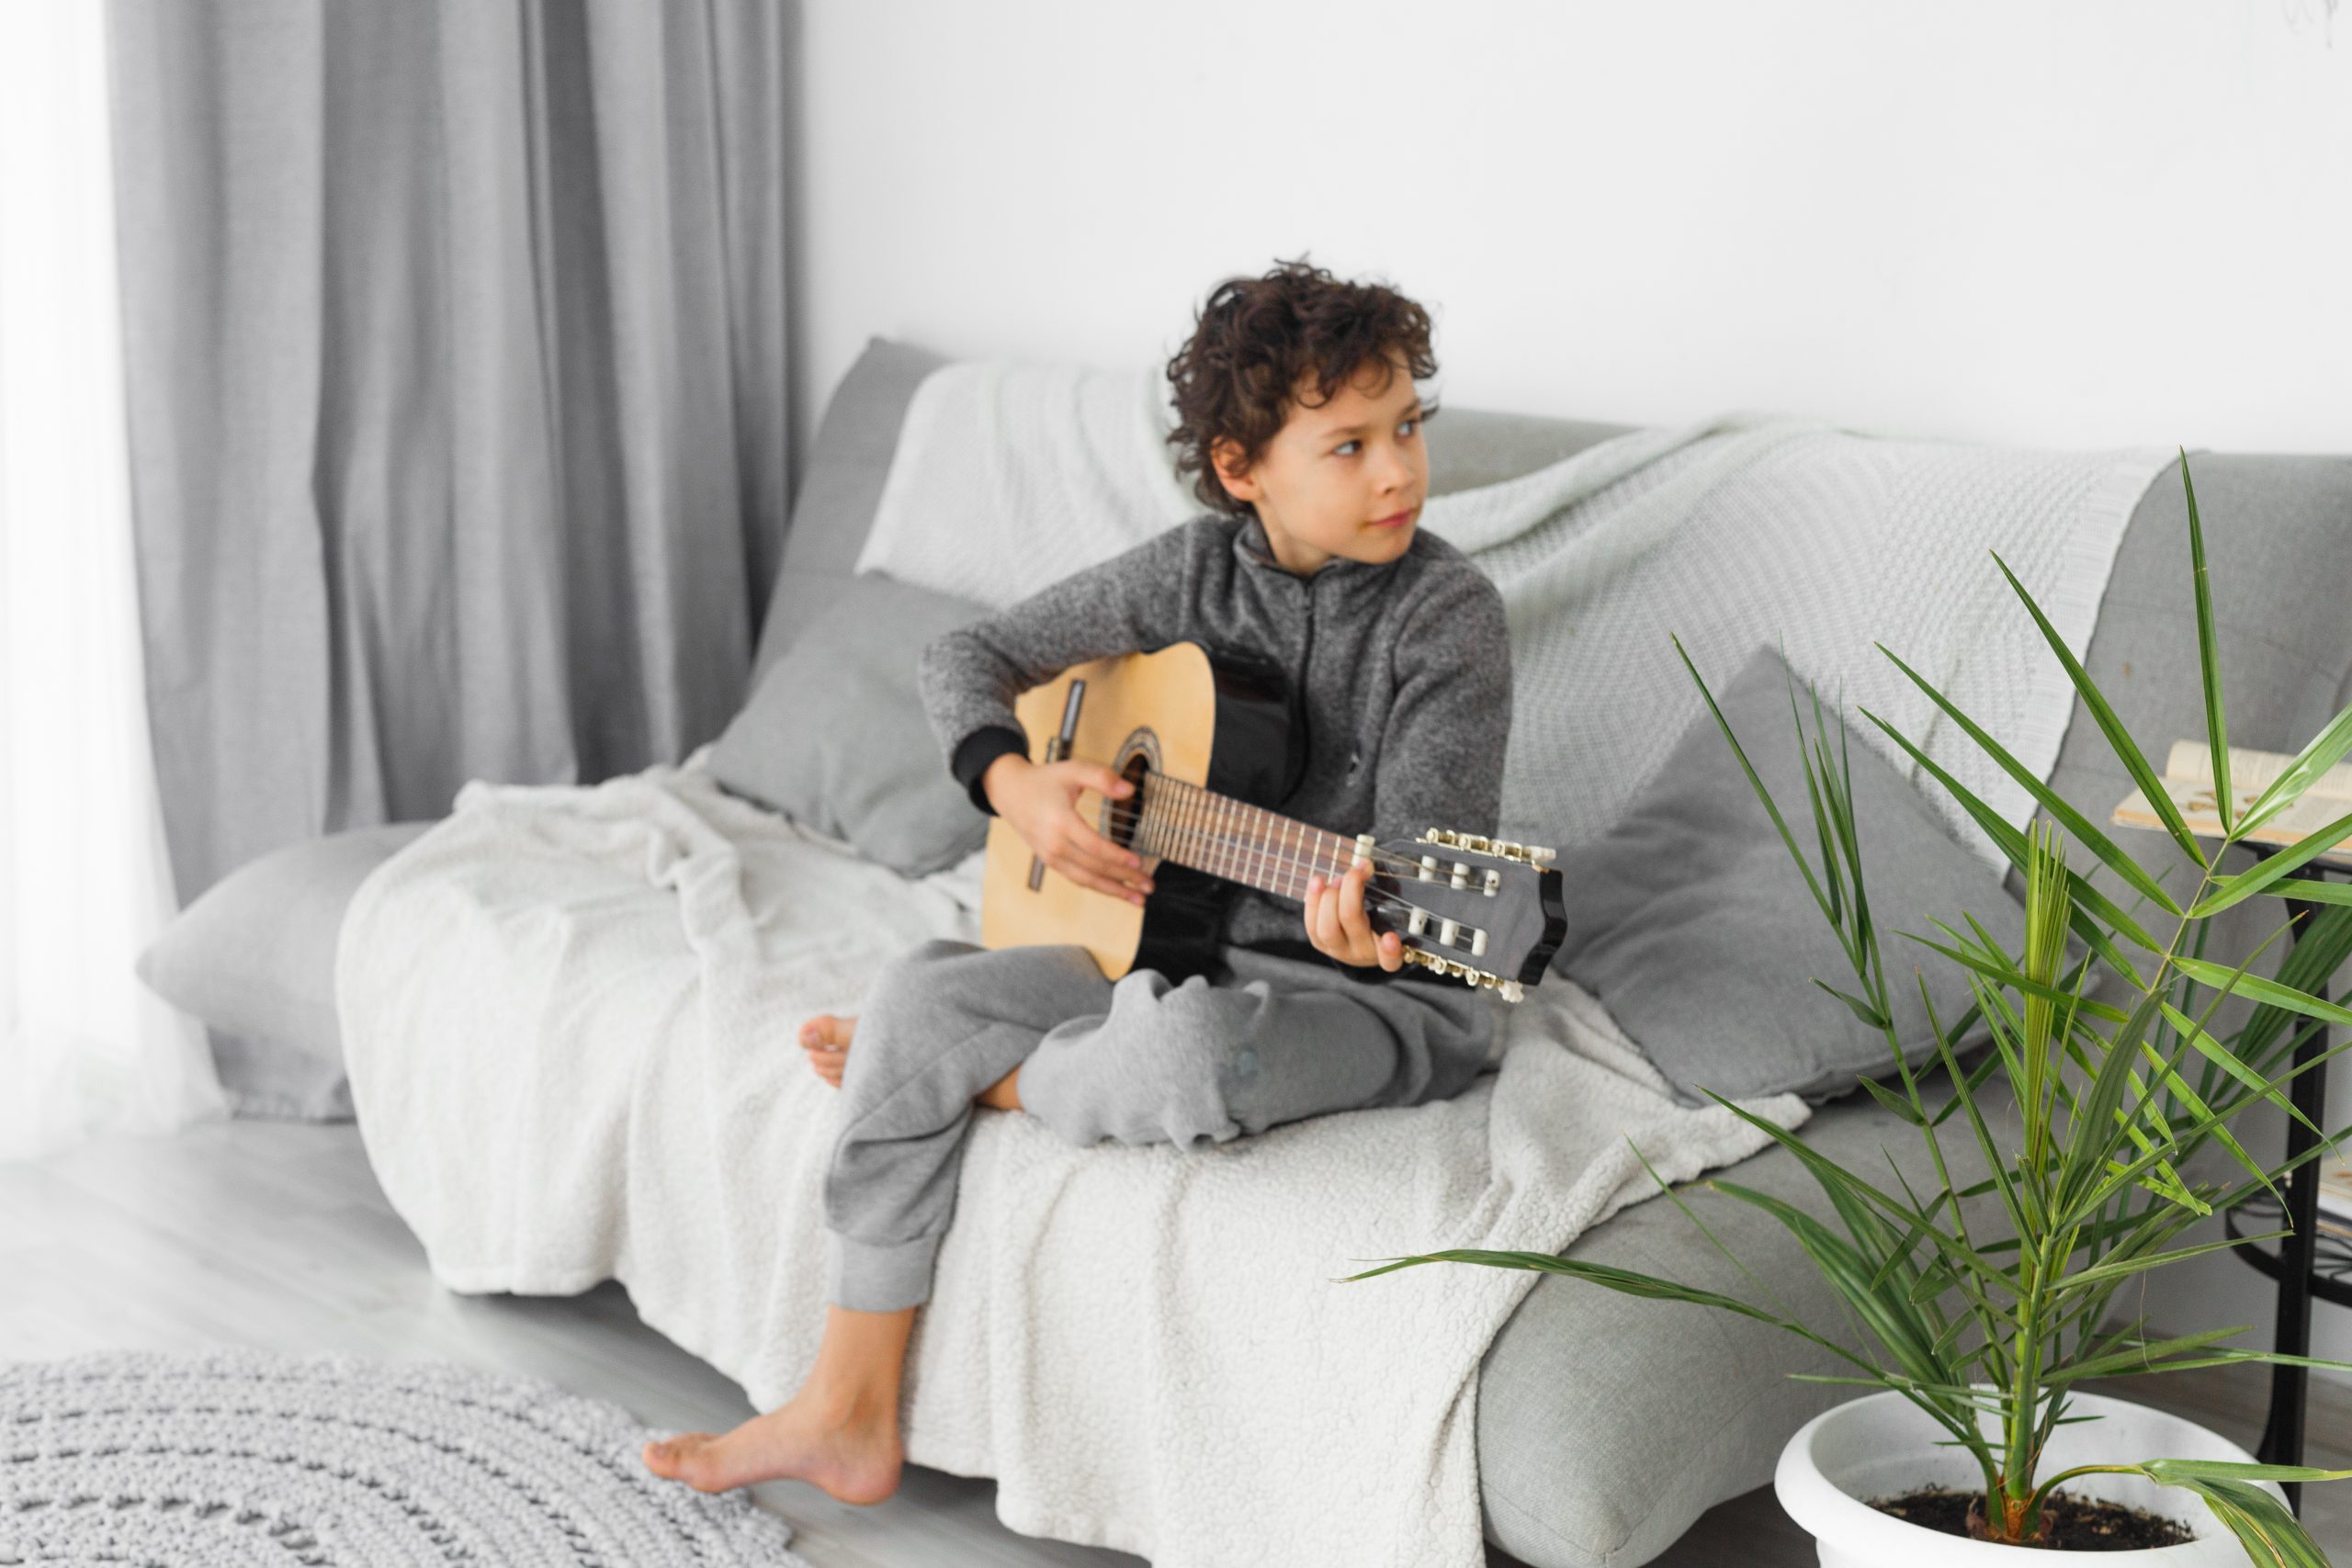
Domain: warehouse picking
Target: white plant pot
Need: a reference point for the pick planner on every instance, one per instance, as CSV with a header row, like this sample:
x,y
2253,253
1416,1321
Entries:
x,y
1883,1446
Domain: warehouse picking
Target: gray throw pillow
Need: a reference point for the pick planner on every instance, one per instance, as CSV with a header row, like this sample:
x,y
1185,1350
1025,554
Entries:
x,y
253,955
1696,930
834,734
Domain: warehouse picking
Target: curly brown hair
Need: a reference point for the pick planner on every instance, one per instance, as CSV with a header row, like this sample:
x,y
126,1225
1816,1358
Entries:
x,y
1256,337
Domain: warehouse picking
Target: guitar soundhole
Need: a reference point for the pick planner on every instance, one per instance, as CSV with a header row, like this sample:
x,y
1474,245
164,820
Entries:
x,y
1138,759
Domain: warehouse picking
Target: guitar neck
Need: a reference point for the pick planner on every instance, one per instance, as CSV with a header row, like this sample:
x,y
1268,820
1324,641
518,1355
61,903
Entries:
x,y
1236,841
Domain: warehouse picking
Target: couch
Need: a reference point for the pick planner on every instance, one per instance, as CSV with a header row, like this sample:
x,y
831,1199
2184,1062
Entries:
x,y
1606,1424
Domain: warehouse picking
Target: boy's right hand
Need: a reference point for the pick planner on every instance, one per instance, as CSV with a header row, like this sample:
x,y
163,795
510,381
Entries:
x,y
1040,799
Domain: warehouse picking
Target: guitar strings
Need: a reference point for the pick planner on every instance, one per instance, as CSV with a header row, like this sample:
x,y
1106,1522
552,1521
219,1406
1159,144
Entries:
x,y
1399,864
1124,812
1262,850
1375,898
1247,855
1252,854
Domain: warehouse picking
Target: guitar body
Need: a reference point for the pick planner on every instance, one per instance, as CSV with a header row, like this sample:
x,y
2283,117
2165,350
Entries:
x,y
1220,721
1209,743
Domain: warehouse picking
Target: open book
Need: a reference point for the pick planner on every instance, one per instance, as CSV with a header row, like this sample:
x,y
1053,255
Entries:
x,y
2189,779
2336,1197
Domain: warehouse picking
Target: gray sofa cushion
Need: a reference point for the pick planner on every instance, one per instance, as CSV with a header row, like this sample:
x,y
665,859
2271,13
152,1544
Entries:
x,y
254,956
1694,928
834,734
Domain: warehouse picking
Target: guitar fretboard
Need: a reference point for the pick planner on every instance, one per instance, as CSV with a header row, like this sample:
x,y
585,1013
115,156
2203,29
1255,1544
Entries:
x,y
1234,839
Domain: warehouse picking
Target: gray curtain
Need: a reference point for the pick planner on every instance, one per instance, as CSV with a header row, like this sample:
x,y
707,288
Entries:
x,y
454,334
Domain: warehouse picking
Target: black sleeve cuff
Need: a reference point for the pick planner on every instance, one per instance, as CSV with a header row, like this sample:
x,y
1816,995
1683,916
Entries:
x,y
974,754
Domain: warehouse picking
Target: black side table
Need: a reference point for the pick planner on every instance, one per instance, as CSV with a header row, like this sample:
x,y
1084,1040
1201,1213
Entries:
x,y
2306,1264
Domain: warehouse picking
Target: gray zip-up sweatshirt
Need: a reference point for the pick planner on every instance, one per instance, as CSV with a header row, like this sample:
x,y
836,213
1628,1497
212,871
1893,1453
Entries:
x,y
1400,671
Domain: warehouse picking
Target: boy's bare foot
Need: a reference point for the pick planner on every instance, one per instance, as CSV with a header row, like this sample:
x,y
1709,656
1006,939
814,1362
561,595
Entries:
x,y
826,1039
854,1456
1004,1094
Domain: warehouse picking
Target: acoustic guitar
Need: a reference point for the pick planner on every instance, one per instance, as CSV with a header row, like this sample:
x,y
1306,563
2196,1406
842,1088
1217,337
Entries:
x,y
1208,740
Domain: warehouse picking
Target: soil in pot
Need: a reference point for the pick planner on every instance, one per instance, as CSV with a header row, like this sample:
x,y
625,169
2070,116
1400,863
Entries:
x,y
2068,1523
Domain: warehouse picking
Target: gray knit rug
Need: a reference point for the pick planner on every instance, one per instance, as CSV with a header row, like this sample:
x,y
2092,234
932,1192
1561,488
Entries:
x,y
250,1457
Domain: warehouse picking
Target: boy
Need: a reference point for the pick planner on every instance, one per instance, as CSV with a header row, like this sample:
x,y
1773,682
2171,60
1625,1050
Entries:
x,y
1300,418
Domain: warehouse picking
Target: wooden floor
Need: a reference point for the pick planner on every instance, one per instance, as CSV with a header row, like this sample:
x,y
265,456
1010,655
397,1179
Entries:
x,y
257,1233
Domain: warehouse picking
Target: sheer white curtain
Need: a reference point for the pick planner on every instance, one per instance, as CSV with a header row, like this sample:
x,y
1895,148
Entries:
x,y
85,1048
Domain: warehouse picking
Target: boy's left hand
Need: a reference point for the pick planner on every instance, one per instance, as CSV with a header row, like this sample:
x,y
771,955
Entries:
x,y
1337,925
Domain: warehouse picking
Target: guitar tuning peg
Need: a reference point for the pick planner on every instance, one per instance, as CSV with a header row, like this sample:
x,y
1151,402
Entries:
x,y
1501,849
1476,979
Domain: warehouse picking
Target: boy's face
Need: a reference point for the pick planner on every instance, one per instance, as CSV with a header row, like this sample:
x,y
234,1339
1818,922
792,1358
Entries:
x,y
1346,477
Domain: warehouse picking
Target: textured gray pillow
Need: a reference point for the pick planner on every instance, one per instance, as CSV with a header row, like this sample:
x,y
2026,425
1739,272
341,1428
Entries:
x,y
834,734
254,955
1696,930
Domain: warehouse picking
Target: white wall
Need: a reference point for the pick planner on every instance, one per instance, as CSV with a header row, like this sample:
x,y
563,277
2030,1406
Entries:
x,y
2044,222
2041,223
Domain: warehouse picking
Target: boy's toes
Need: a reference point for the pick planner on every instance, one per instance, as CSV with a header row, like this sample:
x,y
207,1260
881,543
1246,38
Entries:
x,y
828,1032
668,1457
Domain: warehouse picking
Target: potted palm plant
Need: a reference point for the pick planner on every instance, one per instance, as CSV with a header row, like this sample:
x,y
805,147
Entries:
x,y
1983,1305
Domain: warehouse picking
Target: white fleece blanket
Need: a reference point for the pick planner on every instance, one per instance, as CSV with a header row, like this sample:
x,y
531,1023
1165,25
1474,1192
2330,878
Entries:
x,y
1732,533
569,1016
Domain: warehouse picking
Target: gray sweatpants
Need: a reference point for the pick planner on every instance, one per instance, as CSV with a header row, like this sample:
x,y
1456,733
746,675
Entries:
x,y
1141,1060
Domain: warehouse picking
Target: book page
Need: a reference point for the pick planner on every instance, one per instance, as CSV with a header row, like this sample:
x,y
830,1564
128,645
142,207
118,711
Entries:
x,y
2252,771
2195,801
2335,1189
2189,782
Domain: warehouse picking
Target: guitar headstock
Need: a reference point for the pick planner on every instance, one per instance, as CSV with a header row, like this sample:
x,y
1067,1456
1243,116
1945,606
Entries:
x,y
1488,911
